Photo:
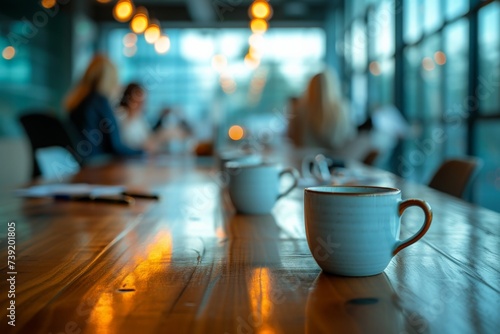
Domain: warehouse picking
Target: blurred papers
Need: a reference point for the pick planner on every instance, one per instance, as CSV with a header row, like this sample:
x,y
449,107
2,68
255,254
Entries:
x,y
50,190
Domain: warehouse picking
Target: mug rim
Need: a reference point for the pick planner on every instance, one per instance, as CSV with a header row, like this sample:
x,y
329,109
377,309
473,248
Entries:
x,y
241,165
386,191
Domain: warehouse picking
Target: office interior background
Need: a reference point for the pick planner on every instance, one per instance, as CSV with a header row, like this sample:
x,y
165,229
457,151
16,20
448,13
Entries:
x,y
437,61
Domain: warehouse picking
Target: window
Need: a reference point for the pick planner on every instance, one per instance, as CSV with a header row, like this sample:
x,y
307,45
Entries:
x,y
488,93
358,45
432,15
456,58
412,15
184,77
437,58
455,8
487,128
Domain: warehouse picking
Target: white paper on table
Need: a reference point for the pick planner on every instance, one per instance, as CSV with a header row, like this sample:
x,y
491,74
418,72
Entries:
x,y
48,190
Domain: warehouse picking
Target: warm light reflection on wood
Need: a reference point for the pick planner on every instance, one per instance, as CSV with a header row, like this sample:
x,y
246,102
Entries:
x,y
102,313
151,262
128,302
88,268
220,233
162,246
260,300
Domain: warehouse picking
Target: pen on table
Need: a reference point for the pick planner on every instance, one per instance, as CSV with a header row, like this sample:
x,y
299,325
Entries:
x,y
140,195
104,199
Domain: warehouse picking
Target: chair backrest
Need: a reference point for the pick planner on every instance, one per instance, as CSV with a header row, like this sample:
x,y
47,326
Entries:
x,y
45,131
454,175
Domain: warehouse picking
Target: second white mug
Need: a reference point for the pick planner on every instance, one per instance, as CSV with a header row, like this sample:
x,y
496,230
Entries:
x,y
255,188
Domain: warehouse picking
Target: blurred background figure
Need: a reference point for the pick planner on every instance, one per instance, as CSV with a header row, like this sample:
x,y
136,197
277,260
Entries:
x,y
383,132
294,131
89,105
225,77
321,118
136,131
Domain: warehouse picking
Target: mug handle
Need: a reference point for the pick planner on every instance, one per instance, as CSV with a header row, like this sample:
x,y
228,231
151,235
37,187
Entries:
x,y
427,223
306,166
320,168
295,174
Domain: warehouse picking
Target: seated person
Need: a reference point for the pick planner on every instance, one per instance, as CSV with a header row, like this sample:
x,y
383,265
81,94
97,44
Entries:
x,y
91,112
136,131
321,118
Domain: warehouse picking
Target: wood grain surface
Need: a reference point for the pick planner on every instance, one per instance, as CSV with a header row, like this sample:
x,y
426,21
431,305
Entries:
x,y
189,264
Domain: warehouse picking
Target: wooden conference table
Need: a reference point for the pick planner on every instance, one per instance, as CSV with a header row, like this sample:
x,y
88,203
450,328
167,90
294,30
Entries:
x,y
188,264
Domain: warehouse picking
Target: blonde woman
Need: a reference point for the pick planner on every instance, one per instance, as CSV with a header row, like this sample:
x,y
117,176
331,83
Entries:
x,y
90,111
323,114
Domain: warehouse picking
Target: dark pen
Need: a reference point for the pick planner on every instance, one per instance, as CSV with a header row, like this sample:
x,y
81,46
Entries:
x,y
140,195
104,199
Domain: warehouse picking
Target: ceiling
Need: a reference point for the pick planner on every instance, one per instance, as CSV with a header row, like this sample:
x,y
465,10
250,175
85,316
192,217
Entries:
x,y
223,12
185,13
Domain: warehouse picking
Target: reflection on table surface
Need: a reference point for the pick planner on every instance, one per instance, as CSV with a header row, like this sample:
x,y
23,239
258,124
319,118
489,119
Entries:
x,y
189,263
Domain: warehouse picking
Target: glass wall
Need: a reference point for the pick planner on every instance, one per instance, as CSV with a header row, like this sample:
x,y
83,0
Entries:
x,y
486,138
443,57
29,57
237,91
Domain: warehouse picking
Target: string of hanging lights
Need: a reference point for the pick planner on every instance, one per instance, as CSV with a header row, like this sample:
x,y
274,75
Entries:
x,y
260,12
140,23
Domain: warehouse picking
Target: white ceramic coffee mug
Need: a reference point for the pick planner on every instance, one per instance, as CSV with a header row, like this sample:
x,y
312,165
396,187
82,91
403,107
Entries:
x,y
255,188
354,230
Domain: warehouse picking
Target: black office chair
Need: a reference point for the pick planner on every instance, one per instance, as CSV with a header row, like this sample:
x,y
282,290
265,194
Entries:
x,y
454,176
47,132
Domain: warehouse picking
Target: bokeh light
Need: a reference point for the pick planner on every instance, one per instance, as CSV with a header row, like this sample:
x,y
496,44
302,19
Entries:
x,y
260,9
162,44
130,39
8,53
428,64
256,41
259,26
251,62
123,10
130,51
375,68
236,132
49,3
254,53
140,21
152,33
440,58
219,62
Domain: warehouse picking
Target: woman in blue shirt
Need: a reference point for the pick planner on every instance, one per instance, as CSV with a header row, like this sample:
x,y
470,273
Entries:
x,y
91,113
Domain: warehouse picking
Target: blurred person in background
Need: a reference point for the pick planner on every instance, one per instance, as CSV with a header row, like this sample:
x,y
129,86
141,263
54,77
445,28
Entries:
x,y
321,118
135,129
89,106
294,131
